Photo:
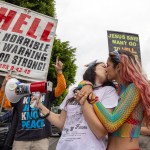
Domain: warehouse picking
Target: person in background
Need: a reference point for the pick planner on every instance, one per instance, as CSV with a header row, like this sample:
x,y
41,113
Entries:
x,y
30,130
6,113
6,104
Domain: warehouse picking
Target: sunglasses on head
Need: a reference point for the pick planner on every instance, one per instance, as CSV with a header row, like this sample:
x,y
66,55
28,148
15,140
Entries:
x,y
115,53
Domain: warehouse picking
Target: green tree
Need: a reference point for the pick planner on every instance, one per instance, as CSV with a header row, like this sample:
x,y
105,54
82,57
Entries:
x,y
67,55
62,49
46,7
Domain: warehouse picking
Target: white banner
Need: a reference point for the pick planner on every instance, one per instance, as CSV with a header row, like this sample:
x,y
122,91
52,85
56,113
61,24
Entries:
x,y
26,40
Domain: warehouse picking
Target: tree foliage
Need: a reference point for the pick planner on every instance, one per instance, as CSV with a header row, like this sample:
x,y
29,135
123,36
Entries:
x,y
62,49
67,55
46,7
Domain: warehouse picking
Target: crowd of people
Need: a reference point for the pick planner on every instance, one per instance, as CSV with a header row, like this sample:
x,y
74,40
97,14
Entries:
x,y
96,108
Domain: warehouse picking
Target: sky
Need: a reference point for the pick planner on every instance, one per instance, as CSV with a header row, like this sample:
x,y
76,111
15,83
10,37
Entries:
x,y
84,23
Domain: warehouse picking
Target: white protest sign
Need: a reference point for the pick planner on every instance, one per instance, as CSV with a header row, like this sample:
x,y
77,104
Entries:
x,y
26,40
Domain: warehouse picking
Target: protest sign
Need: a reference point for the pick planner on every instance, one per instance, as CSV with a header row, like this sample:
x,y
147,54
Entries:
x,y
124,41
26,40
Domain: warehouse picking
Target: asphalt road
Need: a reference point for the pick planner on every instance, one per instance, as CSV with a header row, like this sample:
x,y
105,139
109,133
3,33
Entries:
x,y
53,142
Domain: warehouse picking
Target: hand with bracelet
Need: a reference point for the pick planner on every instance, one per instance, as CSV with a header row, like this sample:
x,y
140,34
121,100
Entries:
x,y
56,119
92,98
86,88
82,97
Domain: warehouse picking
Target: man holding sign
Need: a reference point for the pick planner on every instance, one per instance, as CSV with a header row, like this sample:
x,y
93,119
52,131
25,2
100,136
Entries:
x,y
26,43
31,131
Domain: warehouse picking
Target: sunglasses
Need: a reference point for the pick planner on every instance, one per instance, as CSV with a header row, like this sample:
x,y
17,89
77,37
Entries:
x,y
116,54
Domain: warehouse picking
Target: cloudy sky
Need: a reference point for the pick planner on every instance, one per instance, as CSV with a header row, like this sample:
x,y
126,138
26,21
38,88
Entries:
x,y
85,23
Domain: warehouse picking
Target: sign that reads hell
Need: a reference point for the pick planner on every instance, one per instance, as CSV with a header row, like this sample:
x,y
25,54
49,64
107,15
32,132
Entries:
x,y
26,40
124,41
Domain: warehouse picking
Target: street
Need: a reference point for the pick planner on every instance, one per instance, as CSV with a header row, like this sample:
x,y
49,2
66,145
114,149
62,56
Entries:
x,y
53,142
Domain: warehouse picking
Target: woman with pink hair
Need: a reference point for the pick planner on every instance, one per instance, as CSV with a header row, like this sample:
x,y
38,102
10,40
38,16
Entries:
x,y
124,123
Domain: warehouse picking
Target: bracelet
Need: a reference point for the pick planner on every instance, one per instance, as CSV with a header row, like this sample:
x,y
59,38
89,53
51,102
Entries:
x,y
92,101
43,116
83,83
88,84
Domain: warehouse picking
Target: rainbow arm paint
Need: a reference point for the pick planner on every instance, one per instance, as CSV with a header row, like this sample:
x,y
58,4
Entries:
x,y
112,121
